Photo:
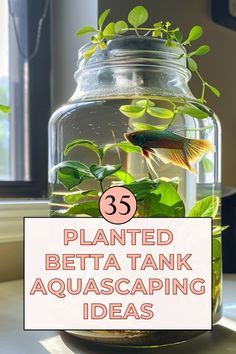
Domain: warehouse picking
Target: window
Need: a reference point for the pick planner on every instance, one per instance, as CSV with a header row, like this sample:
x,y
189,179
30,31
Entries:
x,y
25,86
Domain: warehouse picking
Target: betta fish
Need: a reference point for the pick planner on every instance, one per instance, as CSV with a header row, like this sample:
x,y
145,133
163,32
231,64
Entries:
x,y
170,147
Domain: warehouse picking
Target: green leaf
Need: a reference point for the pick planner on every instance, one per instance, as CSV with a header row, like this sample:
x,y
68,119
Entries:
x,y
4,109
109,31
91,51
195,33
75,197
207,165
103,18
85,144
179,36
204,49
90,208
192,110
70,177
124,177
203,108
219,229
121,27
143,126
132,111
138,16
145,103
213,89
72,173
158,112
101,172
142,187
207,207
216,249
192,64
124,146
85,30
170,203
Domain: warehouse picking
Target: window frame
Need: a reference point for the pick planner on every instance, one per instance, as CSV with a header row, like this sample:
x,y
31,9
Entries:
x,y
39,103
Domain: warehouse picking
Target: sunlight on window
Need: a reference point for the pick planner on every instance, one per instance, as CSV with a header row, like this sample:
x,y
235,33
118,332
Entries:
x,y
4,91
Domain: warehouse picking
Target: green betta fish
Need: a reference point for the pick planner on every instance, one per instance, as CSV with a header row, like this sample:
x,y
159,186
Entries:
x,y
170,147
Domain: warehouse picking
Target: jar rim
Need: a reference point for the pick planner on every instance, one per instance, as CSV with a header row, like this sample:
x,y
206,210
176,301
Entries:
x,y
133,49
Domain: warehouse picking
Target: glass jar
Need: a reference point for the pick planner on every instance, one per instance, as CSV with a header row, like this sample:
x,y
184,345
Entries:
x,y
132,71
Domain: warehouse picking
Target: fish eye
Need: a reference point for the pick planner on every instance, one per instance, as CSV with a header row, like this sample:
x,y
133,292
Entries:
x,y
132,135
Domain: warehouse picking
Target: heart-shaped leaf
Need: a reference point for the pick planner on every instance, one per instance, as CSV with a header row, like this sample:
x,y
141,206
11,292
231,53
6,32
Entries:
x,y
90,208
124,177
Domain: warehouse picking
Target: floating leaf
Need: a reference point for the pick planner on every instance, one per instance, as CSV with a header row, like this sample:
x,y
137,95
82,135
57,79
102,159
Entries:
x,y
101,172
138,16
143,126
124,146
219,229
195,33
85,30
103,18
204,49
207,207
85,144
124,177
158,112
192,110
4,109
132,111
109,31
121,27
90,208
145,103
207,165
213,89
192,64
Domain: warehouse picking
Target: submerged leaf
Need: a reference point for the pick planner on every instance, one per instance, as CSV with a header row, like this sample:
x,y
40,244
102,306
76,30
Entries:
x,y
85,144
124,177
207,207
192,110
75,197
143,126
101,172
124,146
90,208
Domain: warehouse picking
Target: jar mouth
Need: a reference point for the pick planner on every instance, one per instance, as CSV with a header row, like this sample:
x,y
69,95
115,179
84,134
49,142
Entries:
x,y
136,49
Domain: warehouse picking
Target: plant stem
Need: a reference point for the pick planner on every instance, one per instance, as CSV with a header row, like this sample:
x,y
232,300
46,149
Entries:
x,y
102,189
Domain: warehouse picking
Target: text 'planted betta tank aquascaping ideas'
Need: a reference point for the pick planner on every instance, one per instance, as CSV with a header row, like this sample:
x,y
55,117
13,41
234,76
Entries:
x,y
134,122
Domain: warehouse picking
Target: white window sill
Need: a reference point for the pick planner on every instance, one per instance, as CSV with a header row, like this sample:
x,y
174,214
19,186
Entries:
x,y
12,213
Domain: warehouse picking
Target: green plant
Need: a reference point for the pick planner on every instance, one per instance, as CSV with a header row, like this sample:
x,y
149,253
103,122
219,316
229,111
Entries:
x,y
173,37
4,109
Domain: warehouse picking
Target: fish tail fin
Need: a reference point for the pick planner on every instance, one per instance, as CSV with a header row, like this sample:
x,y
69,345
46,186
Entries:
x,y
147,153
193,150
